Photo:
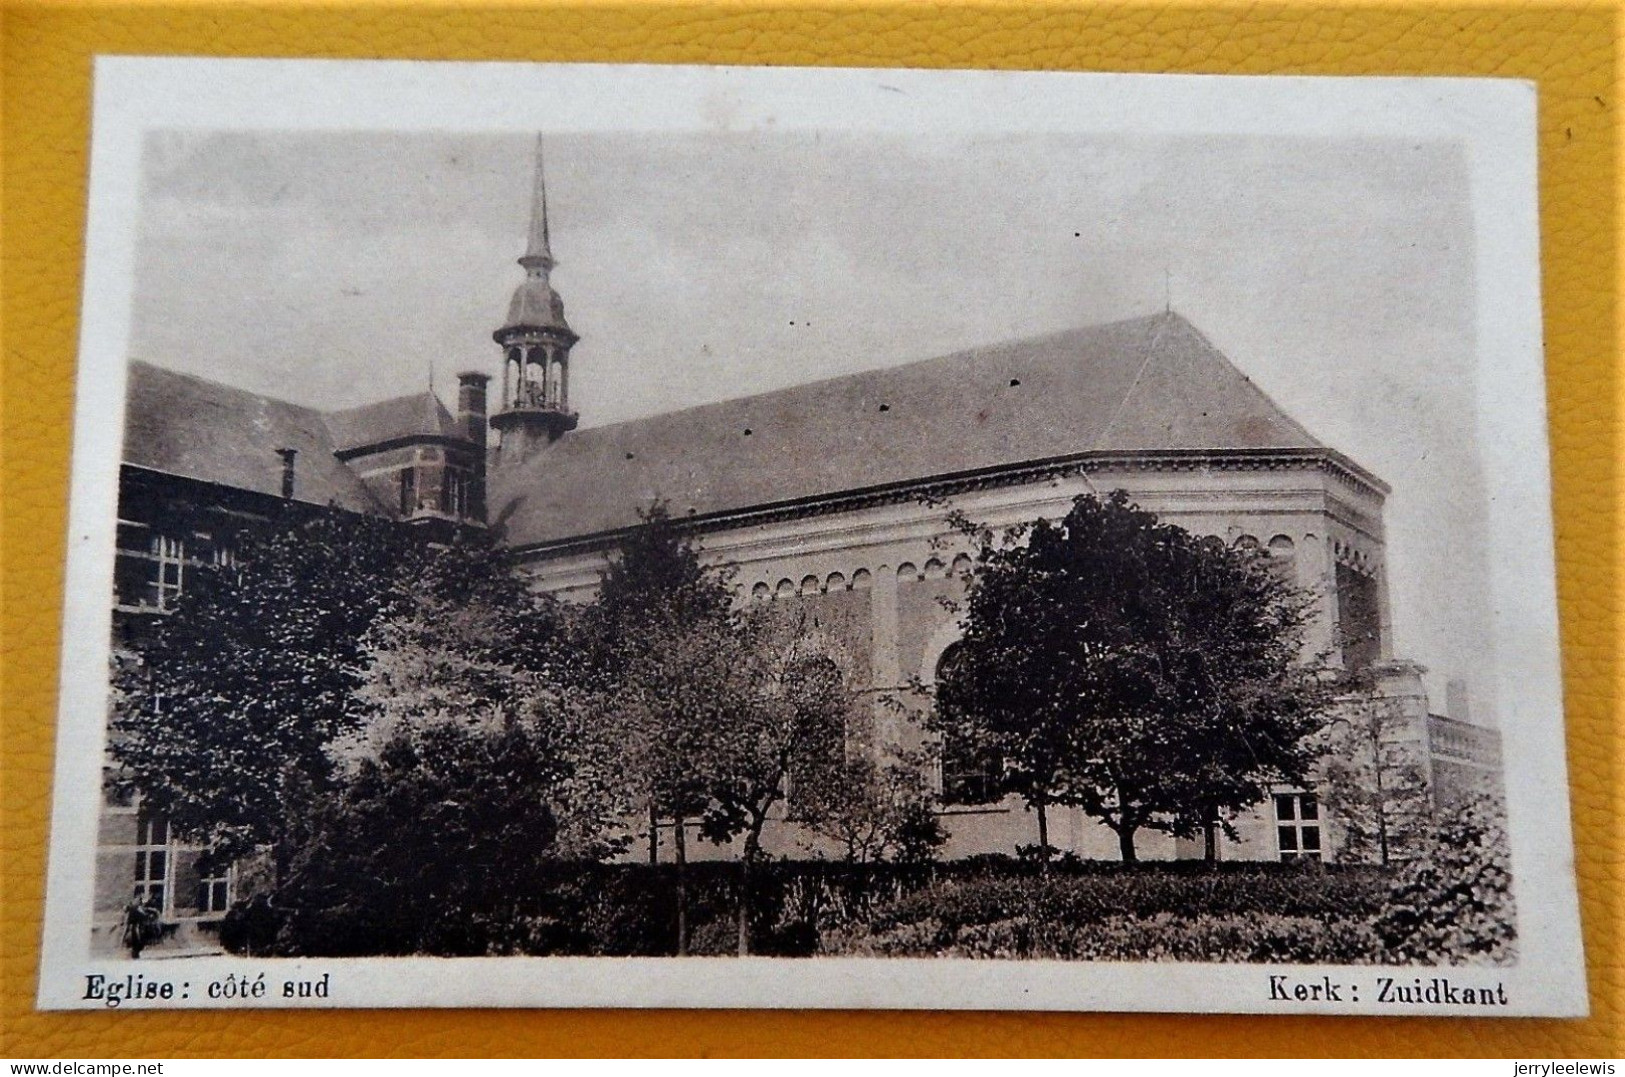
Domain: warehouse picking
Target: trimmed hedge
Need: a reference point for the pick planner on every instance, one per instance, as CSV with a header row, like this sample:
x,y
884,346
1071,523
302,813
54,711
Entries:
x,y
1246,913
801,908
1162,936
1451,905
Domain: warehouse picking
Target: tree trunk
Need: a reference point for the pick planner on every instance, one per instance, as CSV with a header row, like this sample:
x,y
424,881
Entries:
x,y
1043,838
1125,841
753,842
1210,837
680,851
654,834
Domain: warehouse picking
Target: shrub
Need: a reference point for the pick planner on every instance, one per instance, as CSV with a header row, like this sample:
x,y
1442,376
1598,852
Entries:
x,y
1088,898
250,927
1453,904
1244,913
1163,937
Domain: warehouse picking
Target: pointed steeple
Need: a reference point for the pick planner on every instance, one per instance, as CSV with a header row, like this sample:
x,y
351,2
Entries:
x,y
538,256
536,341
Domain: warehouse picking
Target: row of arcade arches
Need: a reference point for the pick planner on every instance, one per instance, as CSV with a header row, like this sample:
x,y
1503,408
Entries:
x,y
860,580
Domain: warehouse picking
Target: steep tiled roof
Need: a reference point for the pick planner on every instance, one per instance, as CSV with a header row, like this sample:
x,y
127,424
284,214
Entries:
x,y
199,429
1147,384
408,416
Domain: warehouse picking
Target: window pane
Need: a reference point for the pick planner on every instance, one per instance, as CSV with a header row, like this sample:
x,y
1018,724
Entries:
x,y
1283,807
130,579
141,866
1311,809
156,897
1311,839
160,832
155,865
1288,838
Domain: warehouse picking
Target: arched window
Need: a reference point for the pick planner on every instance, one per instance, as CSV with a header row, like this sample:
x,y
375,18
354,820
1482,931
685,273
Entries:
x,y
761,592
971,772
836,582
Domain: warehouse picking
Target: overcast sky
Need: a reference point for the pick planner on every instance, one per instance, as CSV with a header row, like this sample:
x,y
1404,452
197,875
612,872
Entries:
x,y
339,269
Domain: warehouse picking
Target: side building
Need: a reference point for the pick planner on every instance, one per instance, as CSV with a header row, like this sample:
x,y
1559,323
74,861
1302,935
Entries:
x,y
201,461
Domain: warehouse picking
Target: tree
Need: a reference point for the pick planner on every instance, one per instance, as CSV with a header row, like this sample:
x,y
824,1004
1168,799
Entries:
x,y
224,715
658,659
1453,902
875,809
471,645
444,842
787,721
1150,676
1374,781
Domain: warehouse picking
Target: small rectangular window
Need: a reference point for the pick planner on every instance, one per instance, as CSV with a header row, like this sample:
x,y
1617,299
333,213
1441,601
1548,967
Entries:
x,y
214,891
1297,826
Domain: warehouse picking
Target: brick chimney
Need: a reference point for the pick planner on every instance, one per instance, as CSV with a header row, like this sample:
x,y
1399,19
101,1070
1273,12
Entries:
x,y
471,405
287,470
471,420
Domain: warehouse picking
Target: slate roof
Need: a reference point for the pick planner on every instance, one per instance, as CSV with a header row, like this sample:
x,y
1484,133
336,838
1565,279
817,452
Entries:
x,y
1147,384
183,425
413,415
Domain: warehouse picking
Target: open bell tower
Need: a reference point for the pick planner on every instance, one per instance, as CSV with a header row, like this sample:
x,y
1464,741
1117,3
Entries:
x,y
536,342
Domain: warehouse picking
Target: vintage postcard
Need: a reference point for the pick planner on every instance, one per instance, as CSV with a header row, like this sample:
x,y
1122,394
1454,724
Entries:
x,y
632,536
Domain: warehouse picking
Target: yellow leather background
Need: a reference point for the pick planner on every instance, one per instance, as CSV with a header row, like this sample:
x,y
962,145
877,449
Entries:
x,y
1569,50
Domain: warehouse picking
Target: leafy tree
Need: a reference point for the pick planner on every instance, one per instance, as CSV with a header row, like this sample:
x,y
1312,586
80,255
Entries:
x,y
443,843
659,663
713,712
1150,676
787,722
875,809
471,645
1373,780
1453,903
224,716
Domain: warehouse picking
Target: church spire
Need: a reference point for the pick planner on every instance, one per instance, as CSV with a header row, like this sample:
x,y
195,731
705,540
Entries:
x,y
536,342
538,256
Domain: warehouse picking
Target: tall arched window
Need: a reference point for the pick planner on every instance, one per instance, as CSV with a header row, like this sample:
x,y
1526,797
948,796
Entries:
x,y
971,772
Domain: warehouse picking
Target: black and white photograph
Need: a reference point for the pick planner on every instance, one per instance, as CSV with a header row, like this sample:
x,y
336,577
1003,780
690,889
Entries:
x,y
602,536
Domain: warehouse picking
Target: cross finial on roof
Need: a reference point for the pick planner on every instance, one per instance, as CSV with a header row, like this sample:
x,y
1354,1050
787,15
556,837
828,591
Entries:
x,y
538,257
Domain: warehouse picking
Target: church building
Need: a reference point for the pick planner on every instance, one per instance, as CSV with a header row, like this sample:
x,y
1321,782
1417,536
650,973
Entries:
x,y
833,496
